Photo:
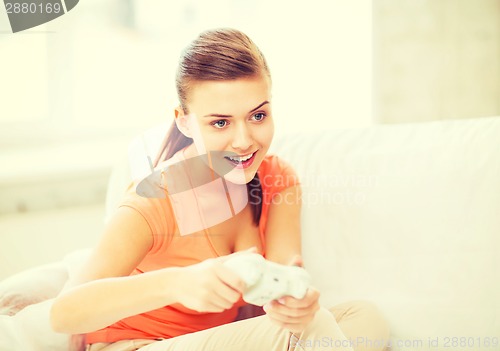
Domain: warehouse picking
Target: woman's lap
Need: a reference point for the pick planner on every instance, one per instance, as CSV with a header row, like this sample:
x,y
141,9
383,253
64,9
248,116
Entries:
x,y
338,328
256,333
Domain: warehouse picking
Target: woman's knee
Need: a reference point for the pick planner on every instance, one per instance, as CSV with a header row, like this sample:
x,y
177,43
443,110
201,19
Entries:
x,y
322,323
358,309
362,320
323,317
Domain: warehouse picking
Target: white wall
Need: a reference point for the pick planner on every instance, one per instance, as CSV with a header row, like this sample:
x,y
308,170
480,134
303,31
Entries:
x,y
436,59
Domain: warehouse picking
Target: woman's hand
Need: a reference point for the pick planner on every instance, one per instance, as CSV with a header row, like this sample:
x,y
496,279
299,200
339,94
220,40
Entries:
x,y
291,313
209,286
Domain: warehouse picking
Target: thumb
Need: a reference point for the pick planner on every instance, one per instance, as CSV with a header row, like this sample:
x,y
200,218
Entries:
x,y
296,261
252,249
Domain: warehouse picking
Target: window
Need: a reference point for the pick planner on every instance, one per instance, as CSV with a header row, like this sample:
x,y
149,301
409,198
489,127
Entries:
x,y
106,69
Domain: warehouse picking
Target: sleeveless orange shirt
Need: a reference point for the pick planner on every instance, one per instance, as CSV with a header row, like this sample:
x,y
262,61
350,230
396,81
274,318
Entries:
x,y
170,250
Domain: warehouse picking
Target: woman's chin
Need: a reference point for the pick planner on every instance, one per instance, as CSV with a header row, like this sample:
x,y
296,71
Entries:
x,y
239,176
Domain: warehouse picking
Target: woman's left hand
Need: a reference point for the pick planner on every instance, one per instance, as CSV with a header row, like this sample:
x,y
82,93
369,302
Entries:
x,y
291,313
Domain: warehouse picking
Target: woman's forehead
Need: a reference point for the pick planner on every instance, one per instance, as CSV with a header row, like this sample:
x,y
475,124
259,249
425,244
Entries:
x,y
228,96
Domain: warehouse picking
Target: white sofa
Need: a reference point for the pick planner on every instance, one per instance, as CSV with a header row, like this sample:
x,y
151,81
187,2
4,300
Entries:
x,y
409,218
406,216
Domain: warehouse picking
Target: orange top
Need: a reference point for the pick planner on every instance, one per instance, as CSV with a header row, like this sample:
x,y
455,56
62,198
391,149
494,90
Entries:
x,y
182,250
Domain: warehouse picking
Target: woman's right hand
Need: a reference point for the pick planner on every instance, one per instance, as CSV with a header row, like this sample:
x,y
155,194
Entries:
x,y
210,286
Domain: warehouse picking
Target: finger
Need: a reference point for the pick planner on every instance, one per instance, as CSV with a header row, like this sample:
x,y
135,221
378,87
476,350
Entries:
x,y
227,293
281,319
282,322
285,313
290,323
217,292
311,297
252,249
230,278
292,302
215,307
209,301
220,303
296,261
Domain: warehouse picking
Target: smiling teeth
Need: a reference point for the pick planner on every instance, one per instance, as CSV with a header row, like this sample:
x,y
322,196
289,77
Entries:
x,y
240,159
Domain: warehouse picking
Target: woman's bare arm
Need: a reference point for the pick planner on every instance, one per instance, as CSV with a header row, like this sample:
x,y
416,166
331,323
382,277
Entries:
x,y
283,237
102,292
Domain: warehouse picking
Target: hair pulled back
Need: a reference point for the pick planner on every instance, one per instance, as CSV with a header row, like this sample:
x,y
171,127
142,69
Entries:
x,y
215,55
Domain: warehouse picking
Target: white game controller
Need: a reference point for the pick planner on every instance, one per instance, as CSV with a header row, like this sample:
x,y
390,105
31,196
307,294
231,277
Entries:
x,y
266,280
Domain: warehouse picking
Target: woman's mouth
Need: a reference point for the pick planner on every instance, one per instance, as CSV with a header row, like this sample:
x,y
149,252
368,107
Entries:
x,y
244,161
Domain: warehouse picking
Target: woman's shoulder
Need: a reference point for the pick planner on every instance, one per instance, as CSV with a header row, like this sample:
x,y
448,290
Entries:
x,y
274,164
276,173
157,211
134,198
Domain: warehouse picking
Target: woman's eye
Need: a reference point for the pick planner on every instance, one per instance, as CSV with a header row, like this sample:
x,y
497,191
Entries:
x,y
259,116
221,123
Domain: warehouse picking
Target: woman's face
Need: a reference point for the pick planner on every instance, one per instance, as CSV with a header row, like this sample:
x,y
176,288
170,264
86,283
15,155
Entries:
x,y
232,118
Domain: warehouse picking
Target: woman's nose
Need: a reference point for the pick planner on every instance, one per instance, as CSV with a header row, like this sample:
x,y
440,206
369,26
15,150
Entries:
x,y
242,138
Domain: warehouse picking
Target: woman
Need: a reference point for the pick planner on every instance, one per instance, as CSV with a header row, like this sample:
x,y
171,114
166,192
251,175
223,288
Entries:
x,y
156,280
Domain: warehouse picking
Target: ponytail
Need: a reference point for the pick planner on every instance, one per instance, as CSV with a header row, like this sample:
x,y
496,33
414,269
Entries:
x,y
173,142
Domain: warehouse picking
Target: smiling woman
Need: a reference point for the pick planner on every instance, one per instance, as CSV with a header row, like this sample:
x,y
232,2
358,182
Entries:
x,y
224,93
243,124
157,278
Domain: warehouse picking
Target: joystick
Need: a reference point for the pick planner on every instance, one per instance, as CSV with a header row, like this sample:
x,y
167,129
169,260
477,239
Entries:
x,y
266,280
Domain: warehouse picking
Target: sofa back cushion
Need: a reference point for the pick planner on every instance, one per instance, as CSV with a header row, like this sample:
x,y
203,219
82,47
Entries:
x,y
407,216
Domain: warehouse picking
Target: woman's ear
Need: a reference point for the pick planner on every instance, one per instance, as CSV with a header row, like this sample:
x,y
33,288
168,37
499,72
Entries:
x,y
181,120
